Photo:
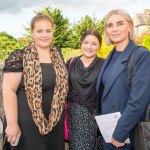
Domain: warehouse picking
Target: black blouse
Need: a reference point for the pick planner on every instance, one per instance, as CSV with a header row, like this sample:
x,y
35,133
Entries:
x,y
82,83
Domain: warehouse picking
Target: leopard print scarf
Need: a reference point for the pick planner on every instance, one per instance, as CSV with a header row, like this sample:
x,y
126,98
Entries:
x,y
33,87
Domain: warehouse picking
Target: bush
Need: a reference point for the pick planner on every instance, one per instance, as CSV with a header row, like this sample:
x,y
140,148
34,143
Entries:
x,y
146,41
68,53
105,50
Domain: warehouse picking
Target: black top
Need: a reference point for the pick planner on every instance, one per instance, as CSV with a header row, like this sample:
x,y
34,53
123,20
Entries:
x,y
82,82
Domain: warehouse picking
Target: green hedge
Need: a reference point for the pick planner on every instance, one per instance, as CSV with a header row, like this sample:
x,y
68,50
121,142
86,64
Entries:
x,y
146,41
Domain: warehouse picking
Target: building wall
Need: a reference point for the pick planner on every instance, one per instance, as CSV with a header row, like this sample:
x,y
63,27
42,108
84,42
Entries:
x,y
140,29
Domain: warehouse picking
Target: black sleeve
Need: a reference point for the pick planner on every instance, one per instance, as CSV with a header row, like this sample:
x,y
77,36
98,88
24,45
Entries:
x,y
14,63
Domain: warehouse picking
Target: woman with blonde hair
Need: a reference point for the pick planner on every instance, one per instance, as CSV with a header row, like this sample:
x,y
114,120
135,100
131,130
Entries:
x,y
114,92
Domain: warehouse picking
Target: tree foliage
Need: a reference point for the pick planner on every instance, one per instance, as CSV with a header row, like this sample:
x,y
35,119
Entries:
x,y
61,26
78,28
65,33
8,44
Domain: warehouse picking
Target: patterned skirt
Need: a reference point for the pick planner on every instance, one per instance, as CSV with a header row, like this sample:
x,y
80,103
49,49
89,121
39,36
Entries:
x,y
82,129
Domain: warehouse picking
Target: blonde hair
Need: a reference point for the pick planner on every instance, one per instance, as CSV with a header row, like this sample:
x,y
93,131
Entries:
x,y
39,17
126,16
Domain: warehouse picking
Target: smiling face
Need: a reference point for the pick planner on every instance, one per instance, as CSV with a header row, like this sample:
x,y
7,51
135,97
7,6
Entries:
x,y
42,34
90,46
118,29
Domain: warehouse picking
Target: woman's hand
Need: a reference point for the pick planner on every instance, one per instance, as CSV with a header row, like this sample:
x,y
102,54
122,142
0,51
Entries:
x,y
12,131
117,143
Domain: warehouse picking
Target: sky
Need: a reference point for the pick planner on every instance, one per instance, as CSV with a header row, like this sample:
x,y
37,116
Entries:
x,y
17,14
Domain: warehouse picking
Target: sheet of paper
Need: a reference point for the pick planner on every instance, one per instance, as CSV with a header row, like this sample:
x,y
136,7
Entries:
x,y
107,124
